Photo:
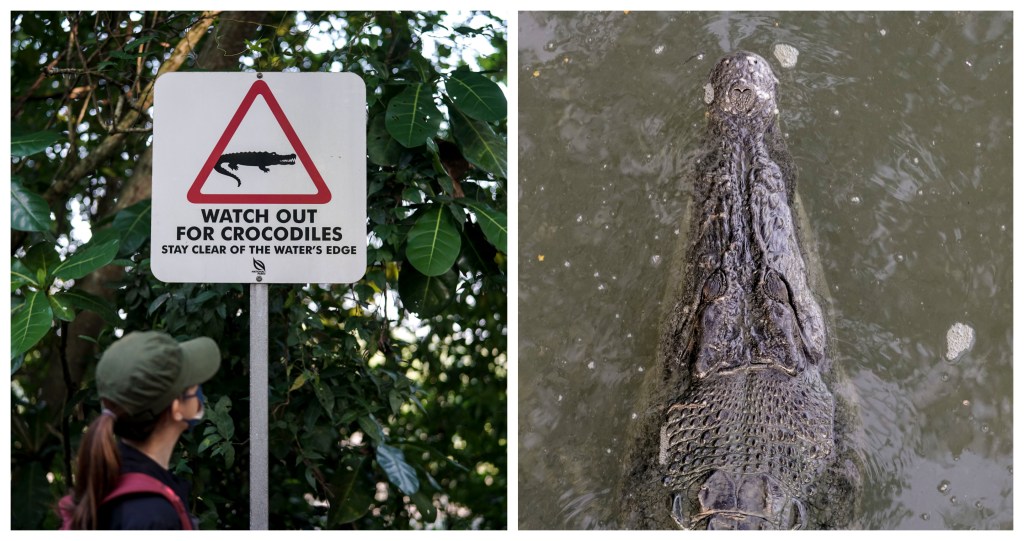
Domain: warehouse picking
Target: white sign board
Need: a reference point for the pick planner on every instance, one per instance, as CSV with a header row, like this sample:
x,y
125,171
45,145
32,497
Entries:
x,y
259,178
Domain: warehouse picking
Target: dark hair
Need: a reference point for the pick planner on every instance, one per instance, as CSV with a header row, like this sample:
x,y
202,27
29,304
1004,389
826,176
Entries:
x,y
99,461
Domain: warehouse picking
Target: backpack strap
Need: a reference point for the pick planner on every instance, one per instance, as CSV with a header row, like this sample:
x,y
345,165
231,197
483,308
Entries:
x,y
140,483
65,510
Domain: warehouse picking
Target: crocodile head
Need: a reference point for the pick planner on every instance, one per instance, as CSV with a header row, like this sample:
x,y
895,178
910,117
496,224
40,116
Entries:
x,y
751,427
741,89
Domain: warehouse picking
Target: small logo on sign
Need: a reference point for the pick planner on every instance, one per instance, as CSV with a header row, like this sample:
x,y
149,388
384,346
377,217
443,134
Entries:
x,y
258,268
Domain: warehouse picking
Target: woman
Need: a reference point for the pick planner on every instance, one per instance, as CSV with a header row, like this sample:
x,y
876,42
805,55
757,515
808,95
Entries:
x,y
149,387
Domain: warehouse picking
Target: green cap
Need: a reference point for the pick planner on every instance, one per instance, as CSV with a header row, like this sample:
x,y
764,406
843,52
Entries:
x,y
144,372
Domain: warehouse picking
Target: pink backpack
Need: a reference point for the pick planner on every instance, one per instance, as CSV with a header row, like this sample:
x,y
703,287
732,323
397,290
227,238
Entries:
x,y
131,483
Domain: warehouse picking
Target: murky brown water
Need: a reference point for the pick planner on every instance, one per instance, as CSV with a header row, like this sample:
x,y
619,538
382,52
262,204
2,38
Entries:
x,y
901,126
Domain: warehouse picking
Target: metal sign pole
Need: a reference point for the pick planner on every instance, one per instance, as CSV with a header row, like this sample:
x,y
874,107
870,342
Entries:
x,y
259,449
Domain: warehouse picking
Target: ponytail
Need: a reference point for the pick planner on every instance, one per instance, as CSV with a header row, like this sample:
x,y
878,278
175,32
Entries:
x,y
98,470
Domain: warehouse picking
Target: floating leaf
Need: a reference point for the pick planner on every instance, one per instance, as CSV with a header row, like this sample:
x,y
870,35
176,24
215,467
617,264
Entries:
x,y
87,259
29,211
424,295
412,117
494,223
30,321
479,144
433,242
400,473
477,96
33,143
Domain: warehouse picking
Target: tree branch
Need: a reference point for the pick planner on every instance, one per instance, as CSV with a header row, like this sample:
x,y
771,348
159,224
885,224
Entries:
x,y
136,188
109,146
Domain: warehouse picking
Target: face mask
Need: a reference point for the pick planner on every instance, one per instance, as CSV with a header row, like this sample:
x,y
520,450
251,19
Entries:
x,y
193,422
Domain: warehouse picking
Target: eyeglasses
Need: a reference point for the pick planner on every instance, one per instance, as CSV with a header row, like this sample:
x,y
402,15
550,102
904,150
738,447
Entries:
x,y
198,394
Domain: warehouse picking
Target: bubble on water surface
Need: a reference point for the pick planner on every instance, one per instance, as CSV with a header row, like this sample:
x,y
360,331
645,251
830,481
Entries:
x,y
786,54
959,338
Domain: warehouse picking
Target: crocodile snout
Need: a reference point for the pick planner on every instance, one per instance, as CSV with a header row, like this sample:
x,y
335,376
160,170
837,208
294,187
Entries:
x,y
743,97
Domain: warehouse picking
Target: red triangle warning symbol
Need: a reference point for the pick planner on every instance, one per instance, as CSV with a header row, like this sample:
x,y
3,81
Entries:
x,y
260,159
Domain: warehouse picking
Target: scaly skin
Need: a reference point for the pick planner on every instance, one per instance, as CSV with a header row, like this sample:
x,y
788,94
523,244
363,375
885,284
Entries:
x,y
753,426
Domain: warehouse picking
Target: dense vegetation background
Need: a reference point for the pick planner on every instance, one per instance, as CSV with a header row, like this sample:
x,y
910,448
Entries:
x,y
387,396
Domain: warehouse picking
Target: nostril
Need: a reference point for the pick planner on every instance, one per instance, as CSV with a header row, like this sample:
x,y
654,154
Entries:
x,y
742,98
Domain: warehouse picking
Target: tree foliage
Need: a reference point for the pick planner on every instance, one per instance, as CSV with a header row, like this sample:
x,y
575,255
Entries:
x,y
387,396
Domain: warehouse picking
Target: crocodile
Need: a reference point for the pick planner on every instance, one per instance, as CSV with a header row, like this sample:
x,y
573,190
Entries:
x,y
260,159
743,431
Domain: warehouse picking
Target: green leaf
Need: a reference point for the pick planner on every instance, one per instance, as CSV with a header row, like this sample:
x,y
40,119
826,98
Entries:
x,y
23,272
16,363
426,296
221,416
229,453
299,382
80,300
433,242
381,148
325,396
41,257
479,144
395,401
134,225
310,478
423,67
31,488
130,56
425,505
135,43
208,442
399,472
20,275
29,211
30,321
493,223
352,495
443,177
477,252
32,143
372,428
412,117
61,308
477,96
87,259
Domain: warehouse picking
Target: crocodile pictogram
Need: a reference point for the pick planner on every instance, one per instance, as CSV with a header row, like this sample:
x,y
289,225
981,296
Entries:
x,y
260,159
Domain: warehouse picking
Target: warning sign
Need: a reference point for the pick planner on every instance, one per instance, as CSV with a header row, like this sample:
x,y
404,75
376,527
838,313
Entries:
x,y
259,178
261,159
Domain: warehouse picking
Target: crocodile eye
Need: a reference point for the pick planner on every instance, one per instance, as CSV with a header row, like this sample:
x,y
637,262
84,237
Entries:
x,y
775,287
714,286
